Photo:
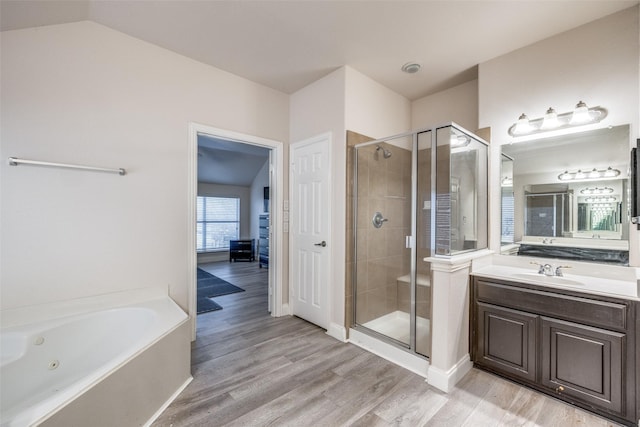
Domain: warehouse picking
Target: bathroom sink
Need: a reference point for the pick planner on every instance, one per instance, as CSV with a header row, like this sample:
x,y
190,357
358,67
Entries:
x,y
554,280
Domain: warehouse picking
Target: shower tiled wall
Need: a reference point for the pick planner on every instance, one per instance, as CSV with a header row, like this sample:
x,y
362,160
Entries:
x,y
380,256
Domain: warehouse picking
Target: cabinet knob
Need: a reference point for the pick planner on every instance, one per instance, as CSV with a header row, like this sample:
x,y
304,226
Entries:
x,y
560,389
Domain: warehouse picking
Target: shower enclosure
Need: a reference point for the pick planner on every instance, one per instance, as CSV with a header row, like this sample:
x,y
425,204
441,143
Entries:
x,y
415,195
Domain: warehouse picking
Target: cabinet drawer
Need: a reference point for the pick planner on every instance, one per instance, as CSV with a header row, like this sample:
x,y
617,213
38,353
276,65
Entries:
x,y
578,309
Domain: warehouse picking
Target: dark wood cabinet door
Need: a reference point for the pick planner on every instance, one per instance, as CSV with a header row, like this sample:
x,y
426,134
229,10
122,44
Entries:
x,y
583,362
506,340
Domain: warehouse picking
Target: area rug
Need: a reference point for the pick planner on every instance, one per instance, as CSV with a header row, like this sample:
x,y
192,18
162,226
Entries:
x,y
210,286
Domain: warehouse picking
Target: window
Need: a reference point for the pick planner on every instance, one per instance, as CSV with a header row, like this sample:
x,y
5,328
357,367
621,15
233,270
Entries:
x,y
218,221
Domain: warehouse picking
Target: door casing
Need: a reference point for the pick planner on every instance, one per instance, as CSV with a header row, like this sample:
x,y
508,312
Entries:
x,y
276,169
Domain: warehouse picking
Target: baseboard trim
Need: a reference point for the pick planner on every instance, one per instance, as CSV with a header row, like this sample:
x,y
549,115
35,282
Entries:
x,y
400,357
168,402
337,331
446,380
285,310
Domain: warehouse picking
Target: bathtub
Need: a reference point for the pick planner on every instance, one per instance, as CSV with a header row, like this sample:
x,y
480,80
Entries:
x,y
52,369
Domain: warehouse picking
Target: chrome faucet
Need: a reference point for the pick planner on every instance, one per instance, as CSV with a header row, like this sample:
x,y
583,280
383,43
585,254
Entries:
x,y
546,269
559,269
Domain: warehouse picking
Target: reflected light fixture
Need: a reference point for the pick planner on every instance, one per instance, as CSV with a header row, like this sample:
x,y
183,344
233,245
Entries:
x,y
592,175
458,140
597,190
552,121
600,199
507,182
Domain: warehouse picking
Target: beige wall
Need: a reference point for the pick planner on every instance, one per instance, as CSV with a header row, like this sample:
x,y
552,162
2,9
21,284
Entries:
x,y
458,104
598,63
82,93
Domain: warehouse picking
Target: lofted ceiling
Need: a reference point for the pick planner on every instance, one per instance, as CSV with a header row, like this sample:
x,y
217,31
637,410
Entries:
x,y
286,45
228,162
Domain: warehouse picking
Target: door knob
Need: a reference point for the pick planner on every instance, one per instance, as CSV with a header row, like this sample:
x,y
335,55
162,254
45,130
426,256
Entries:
x,y
323,244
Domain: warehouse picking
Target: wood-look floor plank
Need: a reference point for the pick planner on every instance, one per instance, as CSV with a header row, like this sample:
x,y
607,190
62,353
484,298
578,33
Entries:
x,y
253,370
411,405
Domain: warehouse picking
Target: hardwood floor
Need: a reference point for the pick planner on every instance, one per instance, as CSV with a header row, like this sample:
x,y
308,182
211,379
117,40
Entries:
x,y
251,369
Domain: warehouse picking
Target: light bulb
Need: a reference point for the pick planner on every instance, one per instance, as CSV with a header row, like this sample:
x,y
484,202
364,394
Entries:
x,y
522,125
580,114
594,174
580,175
550,120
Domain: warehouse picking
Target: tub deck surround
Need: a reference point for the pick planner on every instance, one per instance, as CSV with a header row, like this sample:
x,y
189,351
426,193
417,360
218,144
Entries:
x,y
598,279
62,358
38,313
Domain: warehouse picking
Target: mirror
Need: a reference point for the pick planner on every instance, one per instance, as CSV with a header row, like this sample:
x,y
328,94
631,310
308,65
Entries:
x,y
569,191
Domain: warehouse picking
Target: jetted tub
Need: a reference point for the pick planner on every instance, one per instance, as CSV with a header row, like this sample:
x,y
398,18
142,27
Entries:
x,y
47,365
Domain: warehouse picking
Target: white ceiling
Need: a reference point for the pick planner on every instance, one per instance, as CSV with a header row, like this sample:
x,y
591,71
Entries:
x,y
288,44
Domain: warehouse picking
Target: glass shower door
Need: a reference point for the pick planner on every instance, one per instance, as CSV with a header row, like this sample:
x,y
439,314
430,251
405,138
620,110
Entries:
x,y
383,220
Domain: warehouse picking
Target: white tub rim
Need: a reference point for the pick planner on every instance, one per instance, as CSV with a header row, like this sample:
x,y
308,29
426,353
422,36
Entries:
x,y
68,311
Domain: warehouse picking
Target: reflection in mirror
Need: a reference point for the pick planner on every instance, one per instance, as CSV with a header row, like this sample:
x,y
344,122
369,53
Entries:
x,y
568,191
461,192
506,186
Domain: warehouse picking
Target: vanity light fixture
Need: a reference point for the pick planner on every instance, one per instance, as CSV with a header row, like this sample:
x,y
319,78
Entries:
x,y
582,115
593,174
597,190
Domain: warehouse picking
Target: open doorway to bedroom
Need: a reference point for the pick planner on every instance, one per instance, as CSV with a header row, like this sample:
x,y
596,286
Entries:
x,y
236,183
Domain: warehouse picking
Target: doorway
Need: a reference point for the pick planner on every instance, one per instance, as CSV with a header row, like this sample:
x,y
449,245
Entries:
x,y
275,287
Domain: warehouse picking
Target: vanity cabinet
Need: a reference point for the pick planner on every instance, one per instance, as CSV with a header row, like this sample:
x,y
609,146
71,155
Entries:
x,y
575,346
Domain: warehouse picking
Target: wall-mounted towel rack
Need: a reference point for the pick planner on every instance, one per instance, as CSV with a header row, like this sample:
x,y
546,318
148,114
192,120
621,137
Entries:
x,y
13,161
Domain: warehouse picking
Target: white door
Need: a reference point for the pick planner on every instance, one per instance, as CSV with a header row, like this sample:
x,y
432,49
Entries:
x,y
310,229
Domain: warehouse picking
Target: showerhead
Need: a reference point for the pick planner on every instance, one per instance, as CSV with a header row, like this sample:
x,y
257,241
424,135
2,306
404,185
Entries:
x,y
386,153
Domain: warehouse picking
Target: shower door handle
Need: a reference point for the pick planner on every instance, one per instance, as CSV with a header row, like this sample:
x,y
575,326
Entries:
x,y
408,242
323,244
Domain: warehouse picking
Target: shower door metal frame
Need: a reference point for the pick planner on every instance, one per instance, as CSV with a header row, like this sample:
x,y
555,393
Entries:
x,y
412,237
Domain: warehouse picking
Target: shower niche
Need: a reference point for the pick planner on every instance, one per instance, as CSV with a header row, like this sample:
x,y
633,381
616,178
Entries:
x,y
415,195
